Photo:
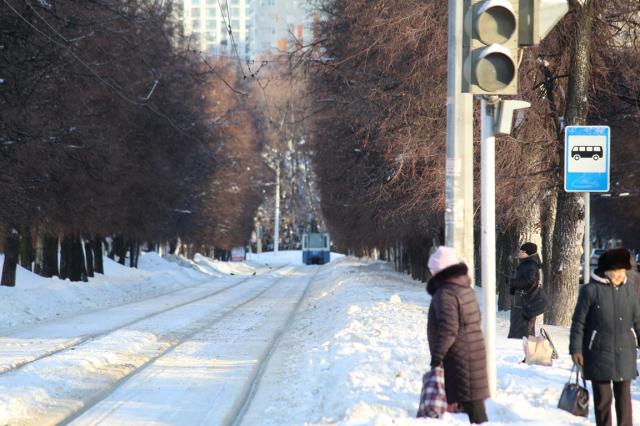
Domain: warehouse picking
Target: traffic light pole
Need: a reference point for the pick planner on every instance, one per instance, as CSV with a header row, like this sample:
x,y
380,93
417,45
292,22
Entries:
x,y
459,163
586,269
488,239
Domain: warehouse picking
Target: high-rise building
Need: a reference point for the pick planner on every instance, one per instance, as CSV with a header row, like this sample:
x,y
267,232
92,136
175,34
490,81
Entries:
x,y
207,22
258,27
279,26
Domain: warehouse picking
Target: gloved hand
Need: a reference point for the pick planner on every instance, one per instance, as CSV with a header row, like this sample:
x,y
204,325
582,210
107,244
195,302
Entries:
x,y
578,359
436,363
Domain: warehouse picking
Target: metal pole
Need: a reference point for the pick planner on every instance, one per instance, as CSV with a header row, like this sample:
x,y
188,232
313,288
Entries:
x,y
586,270
488,240
459,164
276,225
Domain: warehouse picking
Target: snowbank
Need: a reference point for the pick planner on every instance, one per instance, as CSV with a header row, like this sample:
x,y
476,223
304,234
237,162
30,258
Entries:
x,y
35,298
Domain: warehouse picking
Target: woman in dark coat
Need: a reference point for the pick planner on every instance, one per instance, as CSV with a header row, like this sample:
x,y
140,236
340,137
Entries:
x,y
455,334
526,280
604,335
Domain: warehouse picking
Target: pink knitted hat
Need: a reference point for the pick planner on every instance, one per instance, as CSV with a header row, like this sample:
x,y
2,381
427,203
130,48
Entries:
x,y
442,258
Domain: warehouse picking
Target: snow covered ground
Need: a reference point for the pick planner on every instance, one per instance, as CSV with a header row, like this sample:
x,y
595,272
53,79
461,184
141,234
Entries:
x,y
262,342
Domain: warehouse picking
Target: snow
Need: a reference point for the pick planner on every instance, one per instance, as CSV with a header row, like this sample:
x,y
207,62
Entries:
x,y
180,342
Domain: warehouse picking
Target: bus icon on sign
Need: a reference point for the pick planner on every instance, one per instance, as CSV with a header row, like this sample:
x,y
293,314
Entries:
x,y
581,151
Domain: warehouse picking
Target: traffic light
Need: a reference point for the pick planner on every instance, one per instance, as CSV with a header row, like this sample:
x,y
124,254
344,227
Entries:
x,y
490,47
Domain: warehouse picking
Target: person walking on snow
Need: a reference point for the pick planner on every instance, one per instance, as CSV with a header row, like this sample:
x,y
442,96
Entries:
x,y
526,280
455,335
604,335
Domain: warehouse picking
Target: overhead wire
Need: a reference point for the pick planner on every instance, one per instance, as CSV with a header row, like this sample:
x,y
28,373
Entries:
x,y
231,38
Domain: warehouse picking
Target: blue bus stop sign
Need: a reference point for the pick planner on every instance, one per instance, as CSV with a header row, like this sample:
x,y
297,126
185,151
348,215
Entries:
x,y
586,158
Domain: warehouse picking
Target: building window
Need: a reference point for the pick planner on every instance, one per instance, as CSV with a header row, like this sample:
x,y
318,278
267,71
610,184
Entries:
x,y
195,12
195,24
212,24
195,2
235,24
235,12
211,13
212,2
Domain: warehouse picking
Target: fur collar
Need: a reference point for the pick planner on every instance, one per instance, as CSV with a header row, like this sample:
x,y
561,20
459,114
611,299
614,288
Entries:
x,y
597,277
457,274
535,258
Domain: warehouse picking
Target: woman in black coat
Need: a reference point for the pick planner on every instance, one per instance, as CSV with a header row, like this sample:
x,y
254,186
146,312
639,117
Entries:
x,y
604,335
526,280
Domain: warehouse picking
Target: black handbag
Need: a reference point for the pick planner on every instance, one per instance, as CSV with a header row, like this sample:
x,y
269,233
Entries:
x,y
534,303
575,398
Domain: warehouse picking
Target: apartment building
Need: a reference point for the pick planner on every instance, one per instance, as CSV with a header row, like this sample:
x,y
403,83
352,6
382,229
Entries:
x,y
259,27
277,26
207,22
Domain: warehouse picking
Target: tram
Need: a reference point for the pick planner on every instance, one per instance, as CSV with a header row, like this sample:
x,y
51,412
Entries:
x,y
316,248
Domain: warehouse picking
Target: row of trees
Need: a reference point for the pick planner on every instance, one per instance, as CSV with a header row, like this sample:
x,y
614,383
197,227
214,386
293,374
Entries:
x,y
112,128
379,148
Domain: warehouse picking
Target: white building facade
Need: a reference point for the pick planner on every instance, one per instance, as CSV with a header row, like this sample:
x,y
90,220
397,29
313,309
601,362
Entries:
x,y
279,26
207,22
259,27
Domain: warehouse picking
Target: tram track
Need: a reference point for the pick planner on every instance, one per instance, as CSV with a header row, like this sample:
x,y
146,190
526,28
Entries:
x,y
80,340
247,398
185,336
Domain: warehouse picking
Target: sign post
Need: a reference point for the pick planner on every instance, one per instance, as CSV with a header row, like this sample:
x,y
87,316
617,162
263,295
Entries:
x,y
586,169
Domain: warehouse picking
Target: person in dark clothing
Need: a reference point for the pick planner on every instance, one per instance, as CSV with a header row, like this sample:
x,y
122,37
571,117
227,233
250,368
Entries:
x,y
455,334
604,335
526,280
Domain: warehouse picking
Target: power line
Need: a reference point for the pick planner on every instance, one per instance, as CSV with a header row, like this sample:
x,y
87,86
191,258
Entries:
x,y
230,32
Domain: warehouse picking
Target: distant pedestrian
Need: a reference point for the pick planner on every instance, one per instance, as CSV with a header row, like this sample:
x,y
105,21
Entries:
x,y
604,335
455,334
526,280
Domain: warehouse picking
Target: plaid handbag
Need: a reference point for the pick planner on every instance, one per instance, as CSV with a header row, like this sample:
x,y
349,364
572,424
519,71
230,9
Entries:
x,y
433,399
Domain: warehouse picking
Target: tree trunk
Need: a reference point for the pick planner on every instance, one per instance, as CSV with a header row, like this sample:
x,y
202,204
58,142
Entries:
x,y
26,248
38,265
173,245
72,265
50,257
88,251
569,227
506,246
79,266
134,252
120,249
11,253
97,255
65,258
548,221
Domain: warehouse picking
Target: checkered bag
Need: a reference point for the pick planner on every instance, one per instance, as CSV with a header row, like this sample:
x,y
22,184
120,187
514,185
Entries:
x,y
433,399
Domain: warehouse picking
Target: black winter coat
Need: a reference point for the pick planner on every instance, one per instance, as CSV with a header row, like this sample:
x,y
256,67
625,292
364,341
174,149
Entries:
x,y
527,278
605,329
454,331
